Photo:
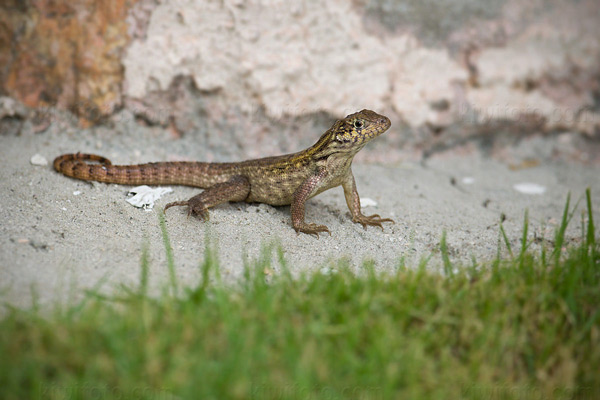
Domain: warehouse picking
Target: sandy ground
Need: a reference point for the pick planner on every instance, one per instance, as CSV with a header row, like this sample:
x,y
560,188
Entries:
x,y
55,244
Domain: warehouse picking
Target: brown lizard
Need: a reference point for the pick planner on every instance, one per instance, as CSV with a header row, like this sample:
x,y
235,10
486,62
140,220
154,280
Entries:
x,y
281,180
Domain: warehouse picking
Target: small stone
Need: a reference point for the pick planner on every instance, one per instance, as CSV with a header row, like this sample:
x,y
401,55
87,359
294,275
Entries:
x,y
38,159
529,188
367,202
38,245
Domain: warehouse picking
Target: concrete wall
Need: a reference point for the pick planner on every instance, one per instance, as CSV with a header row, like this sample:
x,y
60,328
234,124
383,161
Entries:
x,y
444,71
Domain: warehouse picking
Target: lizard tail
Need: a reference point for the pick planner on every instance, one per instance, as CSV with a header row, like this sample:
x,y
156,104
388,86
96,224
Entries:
x,y
75,165
160,173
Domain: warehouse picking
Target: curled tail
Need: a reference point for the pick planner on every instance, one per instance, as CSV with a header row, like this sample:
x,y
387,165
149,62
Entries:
x,y
160,173
75,166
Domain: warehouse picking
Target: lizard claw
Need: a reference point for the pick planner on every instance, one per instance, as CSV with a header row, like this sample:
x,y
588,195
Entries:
x,y
373,220
193,208
312,229
175,203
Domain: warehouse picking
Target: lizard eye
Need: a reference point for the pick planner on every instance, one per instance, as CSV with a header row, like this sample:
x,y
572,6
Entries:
x,y
358,124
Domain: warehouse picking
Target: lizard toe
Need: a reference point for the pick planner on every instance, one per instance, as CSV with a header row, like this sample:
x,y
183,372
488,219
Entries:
x,y
175,204
372,220
312,229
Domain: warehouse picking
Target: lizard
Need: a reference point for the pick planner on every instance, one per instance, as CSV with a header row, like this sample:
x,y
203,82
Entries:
x,y
289,179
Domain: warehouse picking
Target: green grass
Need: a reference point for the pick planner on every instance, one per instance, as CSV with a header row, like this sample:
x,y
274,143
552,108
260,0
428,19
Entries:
x,y
526,326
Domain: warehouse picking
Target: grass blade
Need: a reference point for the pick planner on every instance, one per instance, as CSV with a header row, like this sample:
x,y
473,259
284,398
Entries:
x,y
145,265
506,242
169,253
445,257
524,244
591,233
560,233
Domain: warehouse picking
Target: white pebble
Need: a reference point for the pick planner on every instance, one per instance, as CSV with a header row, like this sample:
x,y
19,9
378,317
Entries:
x,y
39,159
367,202
529,188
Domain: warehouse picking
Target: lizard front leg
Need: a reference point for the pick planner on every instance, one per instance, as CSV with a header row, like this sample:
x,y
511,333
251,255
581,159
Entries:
x,y
303,193
353,201
235,189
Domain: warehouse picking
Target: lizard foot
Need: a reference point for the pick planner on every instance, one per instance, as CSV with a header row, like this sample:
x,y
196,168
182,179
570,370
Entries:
x,y
374,220
194,207
312,229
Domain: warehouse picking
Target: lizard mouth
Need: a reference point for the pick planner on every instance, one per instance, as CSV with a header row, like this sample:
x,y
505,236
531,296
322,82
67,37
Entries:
x,y
382,124
386,123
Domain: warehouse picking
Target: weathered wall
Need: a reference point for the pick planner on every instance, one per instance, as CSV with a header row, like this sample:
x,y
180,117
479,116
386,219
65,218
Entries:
x,y
448,70
64,53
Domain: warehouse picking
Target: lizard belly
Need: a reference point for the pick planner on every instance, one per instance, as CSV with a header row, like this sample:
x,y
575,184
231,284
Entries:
x,y
278,190
275,190
276,184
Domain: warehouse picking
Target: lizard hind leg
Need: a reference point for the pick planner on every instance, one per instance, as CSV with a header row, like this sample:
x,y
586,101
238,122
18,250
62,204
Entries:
x,y
235,189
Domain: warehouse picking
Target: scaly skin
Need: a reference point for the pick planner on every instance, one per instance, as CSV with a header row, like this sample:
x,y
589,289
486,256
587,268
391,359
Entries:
x,y
282,180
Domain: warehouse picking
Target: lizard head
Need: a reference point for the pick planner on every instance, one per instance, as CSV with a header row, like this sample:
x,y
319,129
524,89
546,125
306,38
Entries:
x,y
359,128
349,135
